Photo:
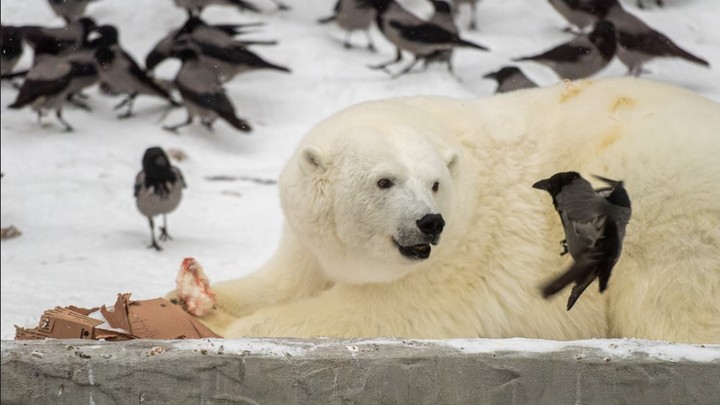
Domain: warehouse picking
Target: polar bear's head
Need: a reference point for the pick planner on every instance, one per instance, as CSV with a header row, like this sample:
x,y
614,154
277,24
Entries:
x,y
371,193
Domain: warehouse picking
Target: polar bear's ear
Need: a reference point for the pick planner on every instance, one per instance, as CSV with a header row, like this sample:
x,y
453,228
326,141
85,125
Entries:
x,y
312,160
451,158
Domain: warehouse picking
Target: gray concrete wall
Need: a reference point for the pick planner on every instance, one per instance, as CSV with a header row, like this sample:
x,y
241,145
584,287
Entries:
x,y
284,371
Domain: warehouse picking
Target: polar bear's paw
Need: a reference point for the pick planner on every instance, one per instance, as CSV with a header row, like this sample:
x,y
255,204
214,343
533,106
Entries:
x,y
193,289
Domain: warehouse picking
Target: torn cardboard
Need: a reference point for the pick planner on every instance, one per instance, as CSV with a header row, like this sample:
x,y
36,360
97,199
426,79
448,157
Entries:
x,y
156,318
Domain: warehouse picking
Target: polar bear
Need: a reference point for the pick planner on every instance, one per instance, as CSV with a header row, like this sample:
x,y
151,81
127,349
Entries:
x,y
415,218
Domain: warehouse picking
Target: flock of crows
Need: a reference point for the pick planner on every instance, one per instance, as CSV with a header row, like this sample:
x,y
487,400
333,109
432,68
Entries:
x,y
69,59
72,58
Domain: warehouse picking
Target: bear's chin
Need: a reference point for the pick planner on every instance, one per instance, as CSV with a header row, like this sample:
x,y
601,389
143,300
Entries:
x,y
415,252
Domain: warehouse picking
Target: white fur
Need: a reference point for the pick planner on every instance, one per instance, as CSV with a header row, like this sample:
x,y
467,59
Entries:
x,y
337,271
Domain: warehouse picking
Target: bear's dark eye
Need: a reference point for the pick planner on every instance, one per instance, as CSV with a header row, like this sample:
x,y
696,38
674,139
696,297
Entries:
x,y
384,183
436,186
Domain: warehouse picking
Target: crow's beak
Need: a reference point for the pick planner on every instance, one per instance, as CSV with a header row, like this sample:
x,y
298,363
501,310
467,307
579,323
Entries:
x,y
542,185
491,75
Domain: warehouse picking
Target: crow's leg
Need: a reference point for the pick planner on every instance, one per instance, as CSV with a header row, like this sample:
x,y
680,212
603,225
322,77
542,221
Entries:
x,y
130,102
408,68
154,243
163,230
58,114
383,66
370,45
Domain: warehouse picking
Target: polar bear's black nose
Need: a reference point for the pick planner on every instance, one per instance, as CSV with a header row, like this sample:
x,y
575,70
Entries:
x,y
431,224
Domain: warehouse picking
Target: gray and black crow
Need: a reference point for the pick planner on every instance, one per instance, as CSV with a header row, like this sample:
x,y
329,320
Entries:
x,y
583,56
638,43
412,34
53,79
594,222
202,91
158,190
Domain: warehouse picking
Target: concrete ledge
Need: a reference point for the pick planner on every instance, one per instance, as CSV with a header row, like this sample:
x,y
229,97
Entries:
x,y
380,371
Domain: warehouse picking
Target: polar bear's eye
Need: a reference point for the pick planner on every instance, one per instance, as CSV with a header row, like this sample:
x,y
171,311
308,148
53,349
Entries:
x,y
384,183
436,186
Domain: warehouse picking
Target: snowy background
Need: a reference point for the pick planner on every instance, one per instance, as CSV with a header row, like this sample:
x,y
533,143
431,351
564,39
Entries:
x,y
70,194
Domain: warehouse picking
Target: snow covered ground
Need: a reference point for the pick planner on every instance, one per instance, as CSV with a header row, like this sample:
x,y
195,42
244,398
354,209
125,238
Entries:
x,y
70,194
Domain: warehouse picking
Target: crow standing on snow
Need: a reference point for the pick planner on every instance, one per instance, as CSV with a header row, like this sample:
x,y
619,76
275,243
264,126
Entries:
x,y
158,190
54,79
202,90
594,222
412,34
638,43
583,56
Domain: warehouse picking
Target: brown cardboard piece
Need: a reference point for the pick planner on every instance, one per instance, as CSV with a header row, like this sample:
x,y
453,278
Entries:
x,y
156,318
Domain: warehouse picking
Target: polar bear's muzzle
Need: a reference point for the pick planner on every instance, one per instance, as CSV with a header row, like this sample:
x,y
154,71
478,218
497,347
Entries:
x,y
430,226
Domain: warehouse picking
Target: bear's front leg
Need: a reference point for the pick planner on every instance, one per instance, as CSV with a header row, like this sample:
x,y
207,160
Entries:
x,y
352,312
329,314
292,274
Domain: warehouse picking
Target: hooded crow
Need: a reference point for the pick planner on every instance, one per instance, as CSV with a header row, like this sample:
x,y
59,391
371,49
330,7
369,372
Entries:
x,y
202,91
594,222
583,56
412,34
638,43
51,81
158,190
